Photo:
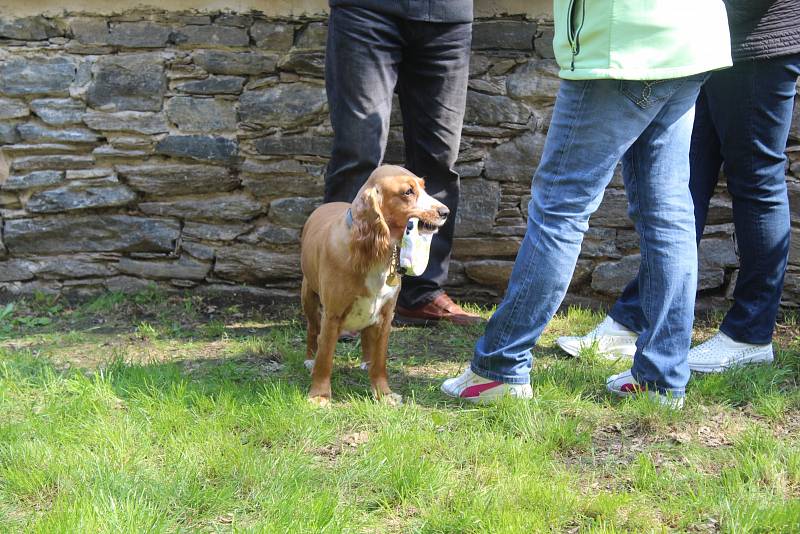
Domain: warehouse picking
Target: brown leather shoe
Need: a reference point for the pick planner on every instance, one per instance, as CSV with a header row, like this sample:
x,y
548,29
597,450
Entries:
x,y
442,308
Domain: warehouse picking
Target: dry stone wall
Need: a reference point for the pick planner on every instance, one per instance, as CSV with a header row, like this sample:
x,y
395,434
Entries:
x,y
186,150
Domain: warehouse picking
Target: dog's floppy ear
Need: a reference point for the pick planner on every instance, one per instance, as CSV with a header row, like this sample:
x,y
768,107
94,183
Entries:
x,y
370,243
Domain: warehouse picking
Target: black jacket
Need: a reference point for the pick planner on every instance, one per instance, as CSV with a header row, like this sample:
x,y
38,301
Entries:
x,y
423,10
763,28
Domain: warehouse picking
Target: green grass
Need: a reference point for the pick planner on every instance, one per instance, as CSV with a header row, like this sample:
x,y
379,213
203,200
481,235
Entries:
x,y
150,413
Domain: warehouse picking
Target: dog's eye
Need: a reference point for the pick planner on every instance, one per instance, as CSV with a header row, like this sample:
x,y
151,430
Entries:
x,y
409,192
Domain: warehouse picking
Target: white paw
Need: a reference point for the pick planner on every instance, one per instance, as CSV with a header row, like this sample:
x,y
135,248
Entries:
x,y
392,399
364,366
309,364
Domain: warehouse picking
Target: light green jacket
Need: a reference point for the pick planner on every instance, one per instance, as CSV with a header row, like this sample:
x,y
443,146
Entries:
x,y
640,39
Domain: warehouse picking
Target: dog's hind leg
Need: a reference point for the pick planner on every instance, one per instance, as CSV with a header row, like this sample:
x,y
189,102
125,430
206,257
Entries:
x,y
311,309
320,392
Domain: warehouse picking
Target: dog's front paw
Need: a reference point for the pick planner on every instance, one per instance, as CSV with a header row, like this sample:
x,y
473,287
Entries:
x,y
392,399
320,401
309,364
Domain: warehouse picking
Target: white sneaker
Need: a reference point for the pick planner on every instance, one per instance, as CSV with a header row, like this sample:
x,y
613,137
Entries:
x,y
474,388
721,352
612,339
624,385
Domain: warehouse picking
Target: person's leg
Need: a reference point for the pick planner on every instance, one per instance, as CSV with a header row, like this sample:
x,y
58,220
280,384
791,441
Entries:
x,y
705,161
361,63
751,105
594,123
433,95
656,172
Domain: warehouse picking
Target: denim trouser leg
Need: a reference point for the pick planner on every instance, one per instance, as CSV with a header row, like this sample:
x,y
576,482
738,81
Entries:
x,y
743,116
595,123
705,160
369,55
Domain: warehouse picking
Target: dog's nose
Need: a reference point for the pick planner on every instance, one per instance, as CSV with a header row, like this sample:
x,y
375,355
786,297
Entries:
x,y
444,211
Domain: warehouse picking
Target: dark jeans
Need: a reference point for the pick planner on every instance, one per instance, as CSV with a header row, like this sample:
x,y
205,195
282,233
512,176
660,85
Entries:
x,y
742,120
369,55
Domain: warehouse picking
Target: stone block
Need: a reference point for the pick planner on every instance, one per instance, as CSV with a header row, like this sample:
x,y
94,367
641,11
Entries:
x,y
183,268
139,34
611,277
478,203
280,179
516,160
226,207
8,133
503,34
305,63
80,197
93,233
543,42
481,247
211,36
199,147
13,109
52,162
215,232
59,111
233,19
213,85
29,28
272,234
75,266
720,210
172,180
582,274
245,263
14,269
292,212
794,248
314,35
235,63
192,114
128,82
36,133
272,35
127,121
23,76
495,109
494,273
536,82
285,105
295,145
613,210
17,182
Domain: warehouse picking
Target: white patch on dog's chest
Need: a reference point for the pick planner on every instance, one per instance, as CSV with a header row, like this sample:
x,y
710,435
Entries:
x,y
366,311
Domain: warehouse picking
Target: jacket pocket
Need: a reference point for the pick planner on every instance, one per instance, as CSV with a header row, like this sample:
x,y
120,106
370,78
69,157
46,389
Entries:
x,y
576,15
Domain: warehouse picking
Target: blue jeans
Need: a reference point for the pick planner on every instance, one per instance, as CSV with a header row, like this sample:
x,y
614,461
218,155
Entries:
x,y
370,55
742,120
595,124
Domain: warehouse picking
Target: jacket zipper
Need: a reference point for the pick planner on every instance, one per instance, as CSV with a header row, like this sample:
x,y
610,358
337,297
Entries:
x,y
573,33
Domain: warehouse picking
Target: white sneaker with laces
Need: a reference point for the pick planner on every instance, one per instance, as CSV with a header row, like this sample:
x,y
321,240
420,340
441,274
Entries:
x,y
474,388
612,338
721,352
625,385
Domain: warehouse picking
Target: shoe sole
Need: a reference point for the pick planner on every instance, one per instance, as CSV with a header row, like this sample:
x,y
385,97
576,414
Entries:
x,y
740,362
400,320
614,350
667,403
528,395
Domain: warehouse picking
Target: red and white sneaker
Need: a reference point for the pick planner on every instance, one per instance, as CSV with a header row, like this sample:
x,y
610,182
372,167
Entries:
x,y
474,388
625,385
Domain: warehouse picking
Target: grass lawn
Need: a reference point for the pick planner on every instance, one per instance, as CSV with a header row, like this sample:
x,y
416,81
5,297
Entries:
x,y
168,414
